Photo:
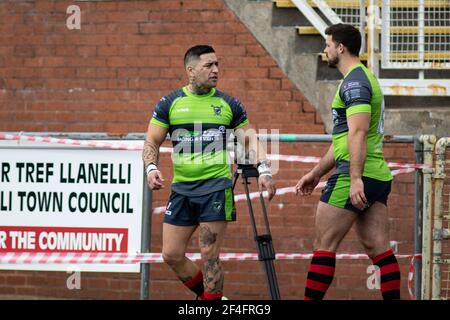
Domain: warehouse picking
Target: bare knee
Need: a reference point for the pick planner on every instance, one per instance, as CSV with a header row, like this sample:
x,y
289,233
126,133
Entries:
x,y
326,243
374,248
331,226
173,258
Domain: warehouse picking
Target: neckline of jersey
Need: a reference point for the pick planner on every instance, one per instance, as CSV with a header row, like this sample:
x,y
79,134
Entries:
x,y
353,68
190,94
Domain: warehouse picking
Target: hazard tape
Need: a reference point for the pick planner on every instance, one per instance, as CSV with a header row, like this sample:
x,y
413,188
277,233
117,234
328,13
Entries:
x,y
281,191
124,146
126,258
415,257
8,258
31,258
404,168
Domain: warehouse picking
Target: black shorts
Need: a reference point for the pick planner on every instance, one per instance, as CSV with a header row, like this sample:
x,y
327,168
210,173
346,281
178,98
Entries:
x,y
337,191
190,211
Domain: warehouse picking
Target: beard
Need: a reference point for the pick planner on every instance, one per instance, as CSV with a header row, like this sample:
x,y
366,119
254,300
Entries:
x,y
202,88
332,63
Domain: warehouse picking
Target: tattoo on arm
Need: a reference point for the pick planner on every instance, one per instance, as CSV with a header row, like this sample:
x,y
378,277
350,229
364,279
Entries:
x,y
150,153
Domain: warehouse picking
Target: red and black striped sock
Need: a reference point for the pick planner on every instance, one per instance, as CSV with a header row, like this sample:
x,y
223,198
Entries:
x,y
196,284
389,275
320,274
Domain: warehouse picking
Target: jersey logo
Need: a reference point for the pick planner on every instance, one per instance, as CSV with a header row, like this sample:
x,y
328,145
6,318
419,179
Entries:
x,y
217,110
217,206
335,117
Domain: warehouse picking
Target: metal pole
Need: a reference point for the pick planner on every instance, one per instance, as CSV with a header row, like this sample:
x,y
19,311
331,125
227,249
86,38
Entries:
x,y
288,137
373,39
146,237
421,35
249,204
438,231
418,148
362,24
428,141
266,252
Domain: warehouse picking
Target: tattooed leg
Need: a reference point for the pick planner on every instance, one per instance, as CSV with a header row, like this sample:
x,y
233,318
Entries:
x,y
211,235
213,276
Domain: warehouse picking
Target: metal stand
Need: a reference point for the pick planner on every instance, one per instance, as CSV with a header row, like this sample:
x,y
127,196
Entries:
x,y
266,253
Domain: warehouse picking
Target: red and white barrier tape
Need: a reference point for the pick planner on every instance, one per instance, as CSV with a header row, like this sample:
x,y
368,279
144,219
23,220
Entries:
x,y
84,143
406,168
124,146
126,258
281,191
415,257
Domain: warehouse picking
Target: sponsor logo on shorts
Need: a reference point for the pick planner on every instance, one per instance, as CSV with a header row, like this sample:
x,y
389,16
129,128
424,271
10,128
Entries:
x,y
168,212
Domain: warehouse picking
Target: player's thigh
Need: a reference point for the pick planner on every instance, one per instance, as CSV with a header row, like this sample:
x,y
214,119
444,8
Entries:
x,y
331,225
176,239
211,235
372,228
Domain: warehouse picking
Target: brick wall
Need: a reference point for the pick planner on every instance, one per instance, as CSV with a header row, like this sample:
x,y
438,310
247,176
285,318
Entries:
x,y
107,77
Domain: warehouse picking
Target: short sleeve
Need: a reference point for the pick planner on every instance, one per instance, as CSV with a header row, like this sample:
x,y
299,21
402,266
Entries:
x,y
239,114
356,96
161,113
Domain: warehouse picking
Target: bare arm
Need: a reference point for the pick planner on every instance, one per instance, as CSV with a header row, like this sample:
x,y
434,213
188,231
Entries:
x,y
155,137
325,164
358,125
254,148
308,182
257,154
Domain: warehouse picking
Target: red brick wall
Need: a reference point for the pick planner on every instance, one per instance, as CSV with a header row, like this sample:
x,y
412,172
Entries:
x,y
107,77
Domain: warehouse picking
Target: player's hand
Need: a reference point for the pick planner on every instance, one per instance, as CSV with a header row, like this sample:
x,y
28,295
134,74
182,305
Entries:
x,y
357,196
155,180
307,184
266,182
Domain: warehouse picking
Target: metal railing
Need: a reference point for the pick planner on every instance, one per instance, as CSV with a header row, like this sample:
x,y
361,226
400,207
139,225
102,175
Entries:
x,y
416,37
436,219
415,34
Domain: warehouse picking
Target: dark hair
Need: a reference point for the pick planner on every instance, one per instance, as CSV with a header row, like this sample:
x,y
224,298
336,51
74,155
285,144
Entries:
x,y
195,52
346,34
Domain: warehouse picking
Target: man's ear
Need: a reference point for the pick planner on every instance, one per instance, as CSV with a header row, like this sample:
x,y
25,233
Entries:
x,y
189,71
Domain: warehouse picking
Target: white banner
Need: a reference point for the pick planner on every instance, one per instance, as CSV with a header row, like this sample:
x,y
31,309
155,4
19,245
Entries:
x,y
70,200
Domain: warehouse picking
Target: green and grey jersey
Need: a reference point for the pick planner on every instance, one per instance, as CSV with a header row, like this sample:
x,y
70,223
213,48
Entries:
x,y
359,91
199,127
